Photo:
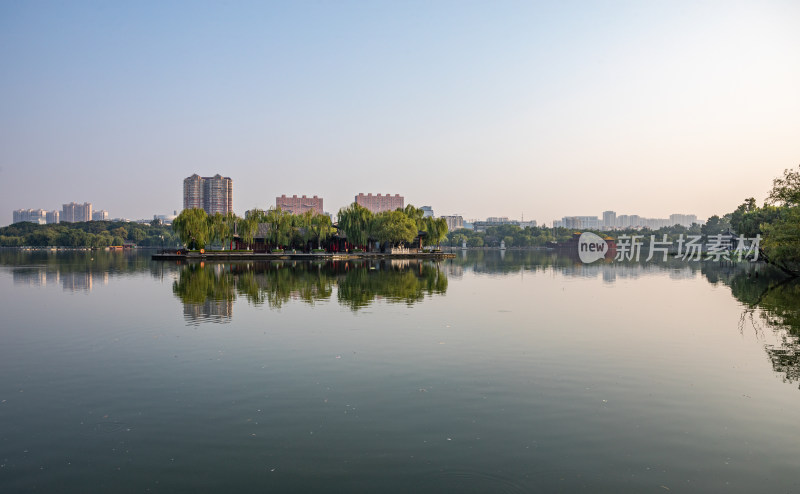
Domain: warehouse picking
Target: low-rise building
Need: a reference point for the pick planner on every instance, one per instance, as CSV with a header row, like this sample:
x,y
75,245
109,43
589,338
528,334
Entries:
x,y
299,205
379,203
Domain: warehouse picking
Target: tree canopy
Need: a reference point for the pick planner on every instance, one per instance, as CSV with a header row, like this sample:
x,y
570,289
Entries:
x,y
356,223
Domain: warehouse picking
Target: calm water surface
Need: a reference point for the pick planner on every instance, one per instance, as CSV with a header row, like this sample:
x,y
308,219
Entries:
x,y
524,372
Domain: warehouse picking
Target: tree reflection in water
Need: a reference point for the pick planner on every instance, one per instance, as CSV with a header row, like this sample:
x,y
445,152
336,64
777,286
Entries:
x,y
772,302
359,283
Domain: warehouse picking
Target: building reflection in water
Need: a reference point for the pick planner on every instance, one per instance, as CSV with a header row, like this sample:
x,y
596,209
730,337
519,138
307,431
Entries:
x,y
76,271
72,281
216,311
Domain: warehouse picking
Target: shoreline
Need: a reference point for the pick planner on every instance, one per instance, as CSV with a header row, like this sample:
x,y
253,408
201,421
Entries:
x,y
324,256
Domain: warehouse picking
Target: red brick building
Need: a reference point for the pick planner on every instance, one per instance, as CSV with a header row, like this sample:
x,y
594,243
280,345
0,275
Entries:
x,y
299,205
379,202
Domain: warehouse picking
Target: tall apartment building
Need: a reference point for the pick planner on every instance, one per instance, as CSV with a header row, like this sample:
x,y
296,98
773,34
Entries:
x,y
212,194
379,203
38,216
682,219
580,222
609,219
454,222
101,215
74,212
52,217
299,205
193,192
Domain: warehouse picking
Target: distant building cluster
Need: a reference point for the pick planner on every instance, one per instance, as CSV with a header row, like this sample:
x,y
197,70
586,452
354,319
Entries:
x,y
70,213
212,194
481,226
101,215
74,212
299,205
379,203
165,219
454,222
612,221
70,281
38,216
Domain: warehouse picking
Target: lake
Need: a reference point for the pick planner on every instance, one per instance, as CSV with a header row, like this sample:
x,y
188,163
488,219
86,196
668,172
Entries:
x,y
516,371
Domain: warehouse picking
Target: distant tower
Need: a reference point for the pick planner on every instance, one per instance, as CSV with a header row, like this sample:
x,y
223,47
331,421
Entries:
x,y
74,212
193,192
609,219
212,194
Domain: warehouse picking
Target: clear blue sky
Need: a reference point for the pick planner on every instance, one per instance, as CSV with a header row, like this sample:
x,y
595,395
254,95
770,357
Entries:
x,y
477,108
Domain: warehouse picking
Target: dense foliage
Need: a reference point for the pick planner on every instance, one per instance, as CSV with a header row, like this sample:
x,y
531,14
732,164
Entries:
x,y
397,227
275,283
87,234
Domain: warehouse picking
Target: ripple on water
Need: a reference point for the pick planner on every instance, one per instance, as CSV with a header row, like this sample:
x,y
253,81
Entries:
x,y
105,427
472,481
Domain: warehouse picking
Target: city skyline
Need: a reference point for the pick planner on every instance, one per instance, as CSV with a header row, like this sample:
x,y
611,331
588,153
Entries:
x,y
502,109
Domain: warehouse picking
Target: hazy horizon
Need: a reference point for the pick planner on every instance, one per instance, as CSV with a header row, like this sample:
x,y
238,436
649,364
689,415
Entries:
x,y
480,109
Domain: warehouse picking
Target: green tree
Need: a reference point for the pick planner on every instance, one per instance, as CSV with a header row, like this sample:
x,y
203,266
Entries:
x,y
302,222
320,227
356,223
475,242
120,232
137,235
782,241
192,228
435,229
247,228
416,215
782,234
280,226
220,227
394,227
715,225
786,189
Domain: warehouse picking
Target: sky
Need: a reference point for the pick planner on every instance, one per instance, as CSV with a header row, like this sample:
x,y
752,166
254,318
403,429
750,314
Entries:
x,y
533,110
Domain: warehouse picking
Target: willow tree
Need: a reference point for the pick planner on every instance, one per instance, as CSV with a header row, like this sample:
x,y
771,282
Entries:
x,y
302,222
220,227
320,228
247,229
436,230
280,226
416,215
356,223
192,228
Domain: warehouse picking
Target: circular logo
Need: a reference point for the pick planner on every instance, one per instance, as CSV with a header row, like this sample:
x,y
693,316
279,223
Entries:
x,y
591,247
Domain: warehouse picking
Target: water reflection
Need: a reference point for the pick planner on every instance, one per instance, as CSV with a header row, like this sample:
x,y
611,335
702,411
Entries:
x,y
208,291
511,262
76,271
771,303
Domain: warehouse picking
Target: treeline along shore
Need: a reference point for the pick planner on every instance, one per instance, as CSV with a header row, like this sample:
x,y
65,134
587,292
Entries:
x,y
776,223
91,234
